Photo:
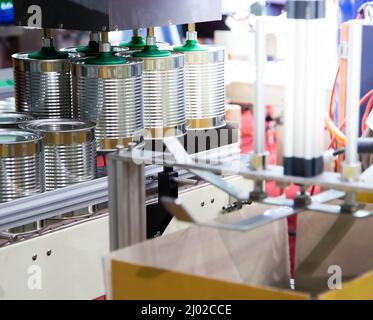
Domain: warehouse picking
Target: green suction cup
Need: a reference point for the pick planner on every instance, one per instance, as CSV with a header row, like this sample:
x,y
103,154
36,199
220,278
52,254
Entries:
x,y
151,51
137,42
191,45
48,53
105,58
91,49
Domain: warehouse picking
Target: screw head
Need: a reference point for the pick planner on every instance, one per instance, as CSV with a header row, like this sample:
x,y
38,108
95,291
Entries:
x,y
34,257
212,200
202,203
49,252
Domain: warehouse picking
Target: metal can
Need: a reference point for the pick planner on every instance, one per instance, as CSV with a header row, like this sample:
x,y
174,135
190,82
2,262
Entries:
x,y
13,119
42,86
8,105
163,96
205,88
21,164
110,96
69,151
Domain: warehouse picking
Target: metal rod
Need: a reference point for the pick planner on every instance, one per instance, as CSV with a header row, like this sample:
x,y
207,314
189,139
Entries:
x,y
47,33
105,36
137,32
353,90
150,38
185,181
150,32
259,111
51,204
191,27
94,36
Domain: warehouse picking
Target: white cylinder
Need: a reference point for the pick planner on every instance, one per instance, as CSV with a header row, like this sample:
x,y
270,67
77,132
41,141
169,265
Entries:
x,y
305,90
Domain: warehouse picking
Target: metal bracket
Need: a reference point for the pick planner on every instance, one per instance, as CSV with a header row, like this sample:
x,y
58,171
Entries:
x,y
127,211
177,150
175,207
285,209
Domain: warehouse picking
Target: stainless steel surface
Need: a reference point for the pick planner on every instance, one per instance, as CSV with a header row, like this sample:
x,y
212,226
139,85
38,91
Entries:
x,y
204,88
318,204
54,203
113,15
7,91
51,204
8,105
21,164
163,96
42,87
127,211
336,209
110,96
354,47
177,150
175,207
258,156
351,167
259,110
69,151
13,119
327,196
234,166
185,181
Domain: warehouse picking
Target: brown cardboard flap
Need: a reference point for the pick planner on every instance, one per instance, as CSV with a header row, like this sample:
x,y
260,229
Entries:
x,y
325,240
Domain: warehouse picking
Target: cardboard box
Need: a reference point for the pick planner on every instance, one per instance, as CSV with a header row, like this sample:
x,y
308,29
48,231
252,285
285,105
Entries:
x,y
205,263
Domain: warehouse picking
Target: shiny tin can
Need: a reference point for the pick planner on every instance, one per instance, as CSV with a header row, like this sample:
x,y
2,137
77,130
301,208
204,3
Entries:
x,y
42,86
110,96
163,96
69,151
21,164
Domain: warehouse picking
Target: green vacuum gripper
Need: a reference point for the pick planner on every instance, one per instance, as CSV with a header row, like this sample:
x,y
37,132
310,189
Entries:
x,y
48,51
191,42
93,46
137,42
151,49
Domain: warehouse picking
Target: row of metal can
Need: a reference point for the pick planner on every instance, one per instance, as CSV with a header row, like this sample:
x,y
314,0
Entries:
x,y
151,97
43,155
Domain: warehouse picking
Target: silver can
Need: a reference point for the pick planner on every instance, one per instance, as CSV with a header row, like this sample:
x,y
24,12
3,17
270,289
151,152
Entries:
x,y
205,88
21,164
42,87
163,96
7,105
69,151
110,96
13,119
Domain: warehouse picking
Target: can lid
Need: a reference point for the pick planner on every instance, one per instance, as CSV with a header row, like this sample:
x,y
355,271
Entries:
x,y
14,117
57,125
14,136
